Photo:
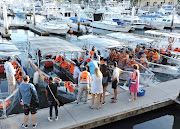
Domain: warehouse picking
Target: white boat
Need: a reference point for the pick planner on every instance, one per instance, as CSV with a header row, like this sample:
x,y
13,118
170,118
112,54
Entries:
x,y
149,20
136,22
111,25
9,101
59,27
73,24
105,44
40,62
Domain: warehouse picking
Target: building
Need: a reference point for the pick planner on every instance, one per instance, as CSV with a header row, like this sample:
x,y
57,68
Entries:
x,y
158,2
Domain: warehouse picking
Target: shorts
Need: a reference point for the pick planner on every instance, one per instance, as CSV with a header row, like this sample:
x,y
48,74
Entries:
x,y
105,81
114,84
28,108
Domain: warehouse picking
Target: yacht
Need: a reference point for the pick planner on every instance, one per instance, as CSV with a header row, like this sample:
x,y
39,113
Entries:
x,y
57,26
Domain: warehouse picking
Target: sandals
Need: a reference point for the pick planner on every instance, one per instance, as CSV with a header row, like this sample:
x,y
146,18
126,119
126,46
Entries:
x,y
90,107
131,100
113,101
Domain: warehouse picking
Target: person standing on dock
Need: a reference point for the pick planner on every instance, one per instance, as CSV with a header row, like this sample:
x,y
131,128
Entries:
x,y
51,94
135,85
25,92
96,87
106,73
115,81
10,72
92,65
83,81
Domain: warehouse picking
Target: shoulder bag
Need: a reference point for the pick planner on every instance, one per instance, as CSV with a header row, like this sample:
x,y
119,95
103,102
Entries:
x,y
57,101
34,102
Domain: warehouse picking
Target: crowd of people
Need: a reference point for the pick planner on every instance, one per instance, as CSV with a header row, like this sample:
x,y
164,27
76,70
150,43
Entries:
x,y
92,74
97,72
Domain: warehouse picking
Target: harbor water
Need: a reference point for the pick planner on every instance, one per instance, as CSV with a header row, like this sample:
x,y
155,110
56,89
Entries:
x,y
164,118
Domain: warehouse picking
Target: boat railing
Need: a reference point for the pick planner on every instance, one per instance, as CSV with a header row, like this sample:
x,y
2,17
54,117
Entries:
x,y
7,103
145,75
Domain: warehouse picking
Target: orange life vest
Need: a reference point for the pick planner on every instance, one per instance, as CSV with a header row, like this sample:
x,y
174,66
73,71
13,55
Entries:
x,y
132,61
58,59
142,61
123,58
155,56
92,53
176,49
84,76
169,47
136,50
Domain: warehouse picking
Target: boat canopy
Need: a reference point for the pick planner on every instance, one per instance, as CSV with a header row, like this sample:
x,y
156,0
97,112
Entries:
x,y
76,19
130,38
166,34
101,41
53,45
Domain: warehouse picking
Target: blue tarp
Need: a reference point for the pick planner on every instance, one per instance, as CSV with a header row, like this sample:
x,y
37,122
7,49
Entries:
x,y
76,19
149,16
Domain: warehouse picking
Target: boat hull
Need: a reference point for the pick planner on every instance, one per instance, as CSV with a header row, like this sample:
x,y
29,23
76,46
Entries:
x,y
110,27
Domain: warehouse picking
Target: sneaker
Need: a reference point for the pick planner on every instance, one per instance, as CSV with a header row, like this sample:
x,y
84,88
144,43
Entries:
x,y
86,102
25,126
34,126
77,104
56,119
50,119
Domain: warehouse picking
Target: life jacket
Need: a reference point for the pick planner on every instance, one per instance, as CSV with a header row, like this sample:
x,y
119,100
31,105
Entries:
x,y
123,58
64,64
101,62
59,59
132,61
155,56
136,50
179,50
84,76
142,61
81,59
169,47
92,53
116,57
176,49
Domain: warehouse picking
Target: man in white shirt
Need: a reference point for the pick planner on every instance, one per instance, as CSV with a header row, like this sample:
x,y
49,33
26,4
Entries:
x,y
86,56
10,72
115,81
96,57
76,73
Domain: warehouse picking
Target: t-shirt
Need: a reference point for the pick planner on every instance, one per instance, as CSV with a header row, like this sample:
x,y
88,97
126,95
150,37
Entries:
x,y
92,65
86,57
53,88
9,68
76,72
116,73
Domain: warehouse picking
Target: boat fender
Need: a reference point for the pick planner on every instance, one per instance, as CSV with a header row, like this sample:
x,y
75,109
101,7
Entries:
x,y
170,39
36,77
26,64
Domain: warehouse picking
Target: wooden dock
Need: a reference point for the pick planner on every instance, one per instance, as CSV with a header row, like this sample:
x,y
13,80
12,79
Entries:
x,y
78,117
29,27
23,26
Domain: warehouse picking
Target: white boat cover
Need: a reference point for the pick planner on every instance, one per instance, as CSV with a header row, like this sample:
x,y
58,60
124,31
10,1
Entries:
x,y
53,45
166,34
101,41
131,38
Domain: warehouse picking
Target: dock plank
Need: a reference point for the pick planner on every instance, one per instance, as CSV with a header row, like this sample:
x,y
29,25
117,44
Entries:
x,y
71,116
